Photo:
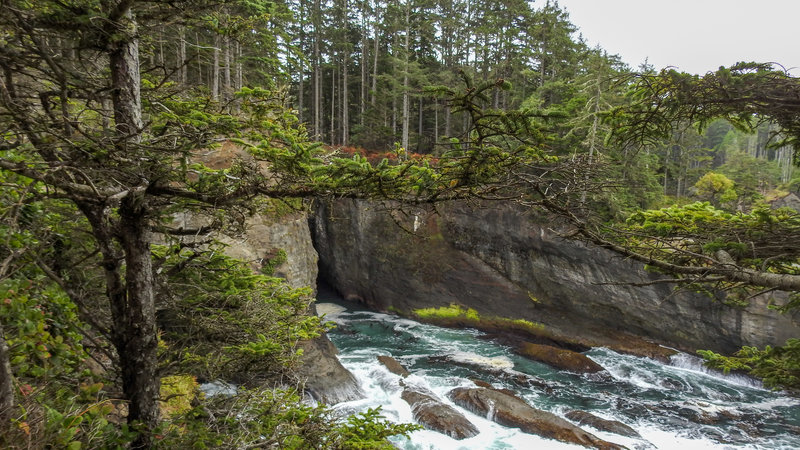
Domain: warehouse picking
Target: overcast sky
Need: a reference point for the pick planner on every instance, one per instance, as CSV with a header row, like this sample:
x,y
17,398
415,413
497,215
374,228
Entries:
x,y
696,36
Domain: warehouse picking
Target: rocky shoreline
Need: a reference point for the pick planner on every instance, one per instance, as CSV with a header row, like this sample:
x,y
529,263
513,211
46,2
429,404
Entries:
x,y
503,407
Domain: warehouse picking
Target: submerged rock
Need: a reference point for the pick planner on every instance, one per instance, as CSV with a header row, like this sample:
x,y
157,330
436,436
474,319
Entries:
x,y
559,358
393,365
611,426
433,414
513,412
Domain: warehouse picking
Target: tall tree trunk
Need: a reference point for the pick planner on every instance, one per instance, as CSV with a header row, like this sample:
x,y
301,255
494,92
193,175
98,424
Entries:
x,y
405,77
301,68
447,120
300,92
435,122
317,88
132,306
215,68
333,105
593,132
182,69
138,347
239,82
419,126
228,91
199,59
374,66
6,384
345,80
364,58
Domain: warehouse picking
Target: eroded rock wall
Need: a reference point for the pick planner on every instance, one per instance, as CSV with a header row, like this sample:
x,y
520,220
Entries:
x,y
325,377
503,261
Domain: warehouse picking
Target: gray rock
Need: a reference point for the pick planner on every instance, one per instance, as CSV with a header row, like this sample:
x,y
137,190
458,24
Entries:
x,y
325,378
513,412
611,426
506,262
393,365
788,201
434,415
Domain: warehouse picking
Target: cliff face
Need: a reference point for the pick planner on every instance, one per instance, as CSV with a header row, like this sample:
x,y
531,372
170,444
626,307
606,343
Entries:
x,y
267,238
289,236
283,245
504,262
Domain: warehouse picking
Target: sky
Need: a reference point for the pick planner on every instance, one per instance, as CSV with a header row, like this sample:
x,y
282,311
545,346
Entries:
x,y
695,36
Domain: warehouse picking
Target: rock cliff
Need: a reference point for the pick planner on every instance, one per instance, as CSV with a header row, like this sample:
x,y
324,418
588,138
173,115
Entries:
x,y
505,262
284,245
280,245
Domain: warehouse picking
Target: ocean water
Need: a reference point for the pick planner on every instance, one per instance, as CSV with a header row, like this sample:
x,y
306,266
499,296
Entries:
x,y
680,405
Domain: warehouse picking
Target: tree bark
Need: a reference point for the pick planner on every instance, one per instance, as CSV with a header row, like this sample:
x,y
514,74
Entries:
x,y
301,68
405,78
364,57
375,66
6,383
345,121
132,300
228,91
317,90
215,69
138,344
125,82
333,105
182,69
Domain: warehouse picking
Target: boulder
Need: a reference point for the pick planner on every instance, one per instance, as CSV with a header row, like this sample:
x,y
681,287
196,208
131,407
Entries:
x,y
326,379
788,201
559,358
610,426
513,412
393,366
434,415
484,384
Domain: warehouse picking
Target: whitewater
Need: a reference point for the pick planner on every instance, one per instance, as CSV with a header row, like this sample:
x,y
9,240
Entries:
x,y
675,405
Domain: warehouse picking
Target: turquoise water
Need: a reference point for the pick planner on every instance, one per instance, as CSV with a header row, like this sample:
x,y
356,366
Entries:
x,y
676,405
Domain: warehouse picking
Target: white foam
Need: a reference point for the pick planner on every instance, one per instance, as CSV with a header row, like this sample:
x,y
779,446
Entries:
x,y
218,388
330,310
689,363
697,392
662,439
497,362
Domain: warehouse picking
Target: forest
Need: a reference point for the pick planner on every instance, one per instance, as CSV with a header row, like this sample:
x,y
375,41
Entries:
x,y
111,310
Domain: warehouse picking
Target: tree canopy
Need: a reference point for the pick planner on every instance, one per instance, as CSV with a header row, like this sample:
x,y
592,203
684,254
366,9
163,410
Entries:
x,y
109,110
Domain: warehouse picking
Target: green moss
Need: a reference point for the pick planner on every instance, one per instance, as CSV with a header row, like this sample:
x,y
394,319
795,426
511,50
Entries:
x,y
528,325
533,297
395,310
457,315
272,260
447,312
177,394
